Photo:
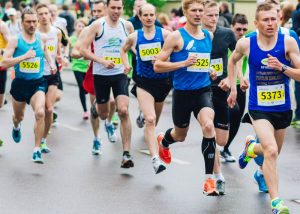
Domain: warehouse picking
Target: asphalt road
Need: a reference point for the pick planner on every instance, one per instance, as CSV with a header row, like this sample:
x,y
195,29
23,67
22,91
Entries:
x,y
73,181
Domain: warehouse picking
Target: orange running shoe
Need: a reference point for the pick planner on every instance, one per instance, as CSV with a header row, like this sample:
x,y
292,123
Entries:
x,y
209,187
164,153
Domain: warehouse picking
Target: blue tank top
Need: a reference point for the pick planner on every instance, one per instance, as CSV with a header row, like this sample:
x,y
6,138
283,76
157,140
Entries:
x,y
145,50
196,76
269,89
33,68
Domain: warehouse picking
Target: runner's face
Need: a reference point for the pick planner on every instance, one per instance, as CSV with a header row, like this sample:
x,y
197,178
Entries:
x,y
30,23
148,16
114,10
98,10
239,30
194,13
210,17
267,22
44,15
79,26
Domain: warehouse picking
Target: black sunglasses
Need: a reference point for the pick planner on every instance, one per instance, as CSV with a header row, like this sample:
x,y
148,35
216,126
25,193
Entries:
x,y
241,29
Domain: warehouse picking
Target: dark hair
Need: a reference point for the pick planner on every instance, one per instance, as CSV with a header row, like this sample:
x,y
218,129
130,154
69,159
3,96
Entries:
x,y
26,11
97,2
174,10
108,1
65,7
39,6
239,18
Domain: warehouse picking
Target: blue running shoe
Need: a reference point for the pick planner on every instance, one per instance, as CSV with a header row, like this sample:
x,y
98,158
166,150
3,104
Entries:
x,y
44,148
37,157
244,158
16,135
260,181
111,132
278,207
96,147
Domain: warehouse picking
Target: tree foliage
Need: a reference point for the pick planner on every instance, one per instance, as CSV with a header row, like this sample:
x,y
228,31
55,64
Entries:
x,y
128,5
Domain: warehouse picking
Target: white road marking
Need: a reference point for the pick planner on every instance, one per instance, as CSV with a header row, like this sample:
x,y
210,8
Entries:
x,y
174,160
68,127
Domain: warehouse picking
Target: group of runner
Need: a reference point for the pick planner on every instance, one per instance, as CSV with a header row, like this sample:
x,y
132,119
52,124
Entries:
x,y
200,61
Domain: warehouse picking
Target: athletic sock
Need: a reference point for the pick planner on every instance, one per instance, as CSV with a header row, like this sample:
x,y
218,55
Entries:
x,y
168,139
36,149
259,171
44,140
208,151
17,128
219,176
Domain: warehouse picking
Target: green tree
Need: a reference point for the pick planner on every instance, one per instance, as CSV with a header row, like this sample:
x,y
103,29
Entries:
x,y
128,5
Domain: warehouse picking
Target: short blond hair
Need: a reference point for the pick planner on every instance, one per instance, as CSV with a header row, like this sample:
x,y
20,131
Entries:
x,y
186,3
263,7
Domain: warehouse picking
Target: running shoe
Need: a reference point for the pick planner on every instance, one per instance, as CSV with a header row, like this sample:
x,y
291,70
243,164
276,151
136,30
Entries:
x,y
55,115
96,147
85,115
16,135
44,148
164,153
127,161
94,113
295,123
37,157
278,207
1,142
244,157
227,156
209,187
111,132
158,165
260,181
140,121
220,186
115,120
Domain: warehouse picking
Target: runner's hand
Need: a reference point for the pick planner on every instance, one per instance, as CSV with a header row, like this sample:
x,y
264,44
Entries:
x,y
274,63
191,60
59,59
244,84
29,54
224,84
231,100
154,59
127,69
109,64
53,69
213,74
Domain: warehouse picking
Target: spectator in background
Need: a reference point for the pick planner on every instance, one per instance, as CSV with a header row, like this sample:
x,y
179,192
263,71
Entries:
x,y
224,12
80,8
14,25
69,18
56,20
182,19
287,9
8,5
296,19
174,18
165,21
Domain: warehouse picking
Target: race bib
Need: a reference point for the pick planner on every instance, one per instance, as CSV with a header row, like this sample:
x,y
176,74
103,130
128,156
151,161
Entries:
x,y
202,62
51,46
148,51
30,65
271,95
115,57
217,65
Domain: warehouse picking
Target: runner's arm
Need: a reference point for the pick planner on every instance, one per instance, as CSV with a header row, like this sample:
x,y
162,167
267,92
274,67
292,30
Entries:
x,y
59,51
4,31
129,43
9,60
47,54
162,64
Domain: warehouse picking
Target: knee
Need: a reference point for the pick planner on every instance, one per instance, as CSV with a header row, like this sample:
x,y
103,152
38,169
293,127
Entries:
x,y
271,152
103,115
150,120
123,112
18,117
208,127
40,114
221,142
49,110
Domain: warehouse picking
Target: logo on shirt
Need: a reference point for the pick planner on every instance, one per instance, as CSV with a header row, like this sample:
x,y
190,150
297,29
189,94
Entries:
x,y
264,61
114,41
190,45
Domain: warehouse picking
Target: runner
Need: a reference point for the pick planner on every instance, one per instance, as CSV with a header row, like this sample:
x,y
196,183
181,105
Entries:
x,y
80,66
26,53
239,26
4,35
109,34
224,39
189,49
270,55
54,48
152,88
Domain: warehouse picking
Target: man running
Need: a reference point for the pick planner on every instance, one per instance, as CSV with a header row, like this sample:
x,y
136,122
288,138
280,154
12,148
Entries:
x,y
224,39
189,49
54,48
4,35
270,55
108,35
26,53
152,88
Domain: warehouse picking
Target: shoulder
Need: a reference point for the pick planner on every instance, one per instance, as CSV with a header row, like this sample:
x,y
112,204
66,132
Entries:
x,y
243,44
165,32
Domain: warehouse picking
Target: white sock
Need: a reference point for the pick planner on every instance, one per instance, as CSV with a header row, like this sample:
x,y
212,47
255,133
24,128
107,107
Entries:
x,y
154,157
97,138
219,176
207,176
107,122
36,149
44,140
18,127
259,171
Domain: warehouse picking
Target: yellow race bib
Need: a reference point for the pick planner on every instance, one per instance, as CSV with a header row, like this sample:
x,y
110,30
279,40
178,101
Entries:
x,y
271,95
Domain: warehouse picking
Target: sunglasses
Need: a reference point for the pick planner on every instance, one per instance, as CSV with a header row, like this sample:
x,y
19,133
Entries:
x,y
241,29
